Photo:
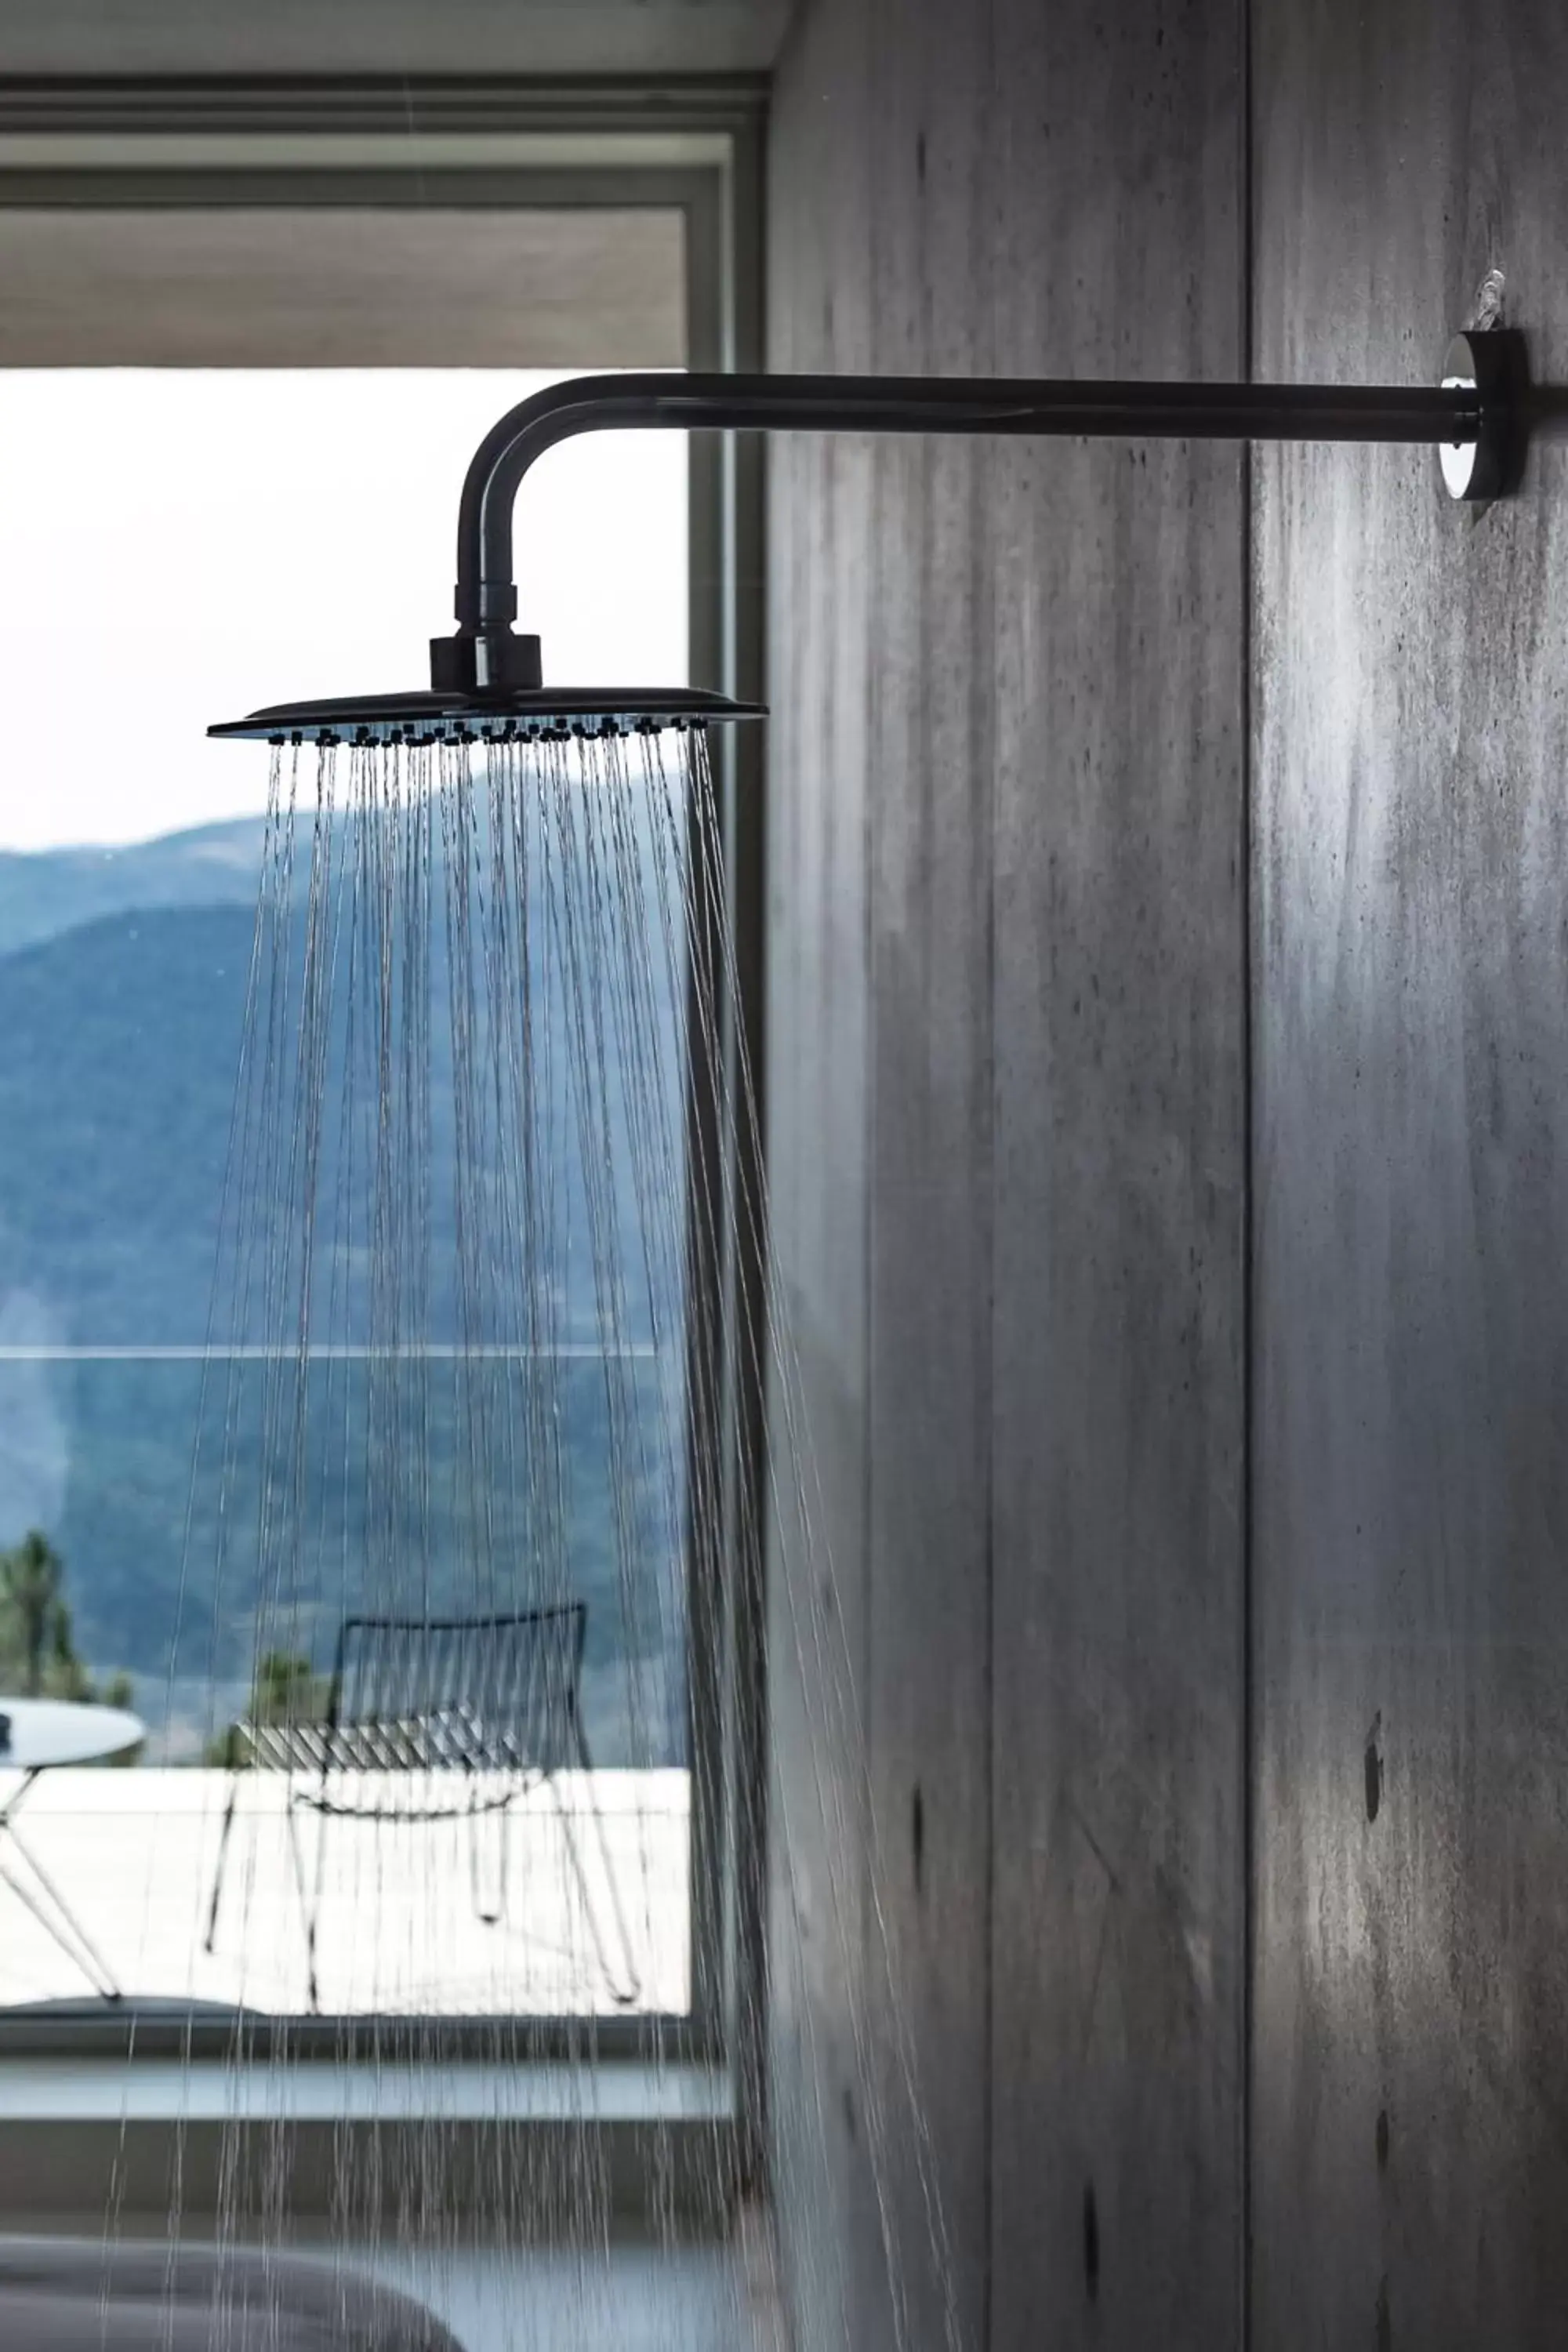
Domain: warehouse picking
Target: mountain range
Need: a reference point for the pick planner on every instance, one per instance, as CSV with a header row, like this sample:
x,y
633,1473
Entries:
x,y
123,986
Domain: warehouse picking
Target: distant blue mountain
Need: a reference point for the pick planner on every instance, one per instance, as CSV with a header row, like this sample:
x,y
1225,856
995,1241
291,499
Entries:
x,y
123,979
43,893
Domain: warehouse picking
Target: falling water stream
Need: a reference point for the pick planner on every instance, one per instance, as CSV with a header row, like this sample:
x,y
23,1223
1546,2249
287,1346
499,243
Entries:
x,y
472,1362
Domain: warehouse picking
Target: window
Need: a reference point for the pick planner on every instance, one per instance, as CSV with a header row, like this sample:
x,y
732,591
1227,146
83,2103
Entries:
x,y
301,521
257,536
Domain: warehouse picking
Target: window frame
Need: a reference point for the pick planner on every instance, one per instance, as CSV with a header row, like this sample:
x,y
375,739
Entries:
x,y
695,148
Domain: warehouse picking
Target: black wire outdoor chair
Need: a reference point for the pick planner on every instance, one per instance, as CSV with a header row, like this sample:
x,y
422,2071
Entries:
x,y
478,1713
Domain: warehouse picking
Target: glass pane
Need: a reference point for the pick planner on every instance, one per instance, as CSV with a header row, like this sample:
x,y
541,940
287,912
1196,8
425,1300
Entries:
x,y
258,537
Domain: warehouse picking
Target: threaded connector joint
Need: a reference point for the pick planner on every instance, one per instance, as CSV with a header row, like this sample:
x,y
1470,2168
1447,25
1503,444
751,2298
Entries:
x,y
484,661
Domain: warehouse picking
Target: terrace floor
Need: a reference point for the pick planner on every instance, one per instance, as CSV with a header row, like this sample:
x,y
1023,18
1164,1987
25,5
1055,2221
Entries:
x,y
477,1913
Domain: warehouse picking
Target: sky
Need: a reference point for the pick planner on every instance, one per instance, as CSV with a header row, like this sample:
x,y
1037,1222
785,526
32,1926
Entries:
x,y
181,546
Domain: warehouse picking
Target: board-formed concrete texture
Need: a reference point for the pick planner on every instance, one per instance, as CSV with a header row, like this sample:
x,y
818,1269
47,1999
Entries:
x,y
817,1042
1410,2165
1103,691
1007,1123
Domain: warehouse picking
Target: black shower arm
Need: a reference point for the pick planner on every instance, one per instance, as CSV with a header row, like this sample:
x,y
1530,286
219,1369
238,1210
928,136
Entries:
x,y
487,595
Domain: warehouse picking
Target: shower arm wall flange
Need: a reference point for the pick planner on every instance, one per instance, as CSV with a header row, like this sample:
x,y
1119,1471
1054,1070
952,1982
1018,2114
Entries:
x,y
1476,417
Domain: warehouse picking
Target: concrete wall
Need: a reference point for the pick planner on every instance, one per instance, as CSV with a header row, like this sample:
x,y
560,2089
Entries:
x,y
1006,1121
242,287
1412,1215
1182,1795
388,37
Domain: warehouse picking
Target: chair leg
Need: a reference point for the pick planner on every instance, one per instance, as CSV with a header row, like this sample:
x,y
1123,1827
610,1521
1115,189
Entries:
x,y
307,1906
222,1861
632,1981
488,1918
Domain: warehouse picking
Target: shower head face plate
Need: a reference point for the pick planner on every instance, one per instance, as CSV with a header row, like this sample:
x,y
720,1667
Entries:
x,y
519,715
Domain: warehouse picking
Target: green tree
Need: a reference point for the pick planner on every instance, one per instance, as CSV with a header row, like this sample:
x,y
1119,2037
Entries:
x,y
31,1576
285,1689
38,1637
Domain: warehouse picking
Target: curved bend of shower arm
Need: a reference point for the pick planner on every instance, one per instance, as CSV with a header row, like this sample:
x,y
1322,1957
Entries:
x,y
487,595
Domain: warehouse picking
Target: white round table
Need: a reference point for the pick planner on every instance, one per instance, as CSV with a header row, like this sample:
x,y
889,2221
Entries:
x,y
41,1735
38,1734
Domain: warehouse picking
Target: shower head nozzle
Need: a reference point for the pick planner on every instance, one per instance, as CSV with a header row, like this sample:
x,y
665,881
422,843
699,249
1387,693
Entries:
x,y
515,715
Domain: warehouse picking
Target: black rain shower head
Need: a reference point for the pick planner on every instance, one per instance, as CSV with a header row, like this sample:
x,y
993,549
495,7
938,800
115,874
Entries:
x,y
485,681
512,715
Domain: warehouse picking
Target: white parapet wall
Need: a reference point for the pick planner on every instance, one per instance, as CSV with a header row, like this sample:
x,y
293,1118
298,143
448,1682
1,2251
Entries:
x,y
403,1906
